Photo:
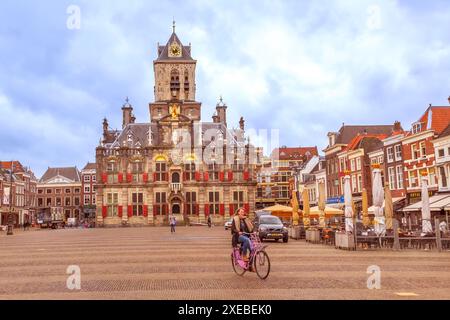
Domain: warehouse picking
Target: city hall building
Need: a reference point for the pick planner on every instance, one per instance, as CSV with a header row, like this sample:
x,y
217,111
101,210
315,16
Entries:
x,y
174,164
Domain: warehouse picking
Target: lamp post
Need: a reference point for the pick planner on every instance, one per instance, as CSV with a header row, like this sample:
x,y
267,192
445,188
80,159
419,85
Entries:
x,y
10,215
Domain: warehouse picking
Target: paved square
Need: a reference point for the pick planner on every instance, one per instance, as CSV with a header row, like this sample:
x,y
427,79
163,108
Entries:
x,y
194,263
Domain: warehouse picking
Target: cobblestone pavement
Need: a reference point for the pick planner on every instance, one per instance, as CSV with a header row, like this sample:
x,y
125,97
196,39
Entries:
x,y
194,263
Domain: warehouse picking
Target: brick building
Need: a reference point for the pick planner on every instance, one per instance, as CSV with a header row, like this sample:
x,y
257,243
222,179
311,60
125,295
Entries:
x,y
59,190
337,142
24,189
418,151
176,164
88,189
355,160
274,174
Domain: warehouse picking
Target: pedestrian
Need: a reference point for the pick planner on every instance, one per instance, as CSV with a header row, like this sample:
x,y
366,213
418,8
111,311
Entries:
x,y
209,221
173,222
443,228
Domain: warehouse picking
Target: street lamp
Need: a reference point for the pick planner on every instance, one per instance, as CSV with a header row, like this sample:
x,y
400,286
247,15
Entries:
x,y
10,216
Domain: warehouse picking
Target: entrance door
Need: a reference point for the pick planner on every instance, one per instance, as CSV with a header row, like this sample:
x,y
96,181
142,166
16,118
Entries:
x,y
176,177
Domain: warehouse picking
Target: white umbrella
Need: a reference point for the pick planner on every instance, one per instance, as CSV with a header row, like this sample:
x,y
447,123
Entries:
x,y
378,195
426,214
348,205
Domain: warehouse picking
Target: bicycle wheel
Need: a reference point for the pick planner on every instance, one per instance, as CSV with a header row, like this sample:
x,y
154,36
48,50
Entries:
x,y
236,267
262,264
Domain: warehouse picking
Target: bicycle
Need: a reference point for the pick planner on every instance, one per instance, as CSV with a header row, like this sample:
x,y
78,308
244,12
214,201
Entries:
x,y
259,259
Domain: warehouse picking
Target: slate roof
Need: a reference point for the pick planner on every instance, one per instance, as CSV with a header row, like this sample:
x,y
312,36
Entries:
x,y
70,173
347,132
163,51
285,153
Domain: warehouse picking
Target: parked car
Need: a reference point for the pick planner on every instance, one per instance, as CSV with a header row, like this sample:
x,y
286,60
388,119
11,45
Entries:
x,y
258,214
271,227
228,224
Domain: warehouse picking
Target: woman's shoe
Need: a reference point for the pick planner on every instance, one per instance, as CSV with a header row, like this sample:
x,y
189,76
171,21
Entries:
x,y
245,258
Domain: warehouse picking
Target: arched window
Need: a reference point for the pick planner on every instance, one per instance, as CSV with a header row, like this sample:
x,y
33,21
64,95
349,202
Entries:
x,y
175,82
186,80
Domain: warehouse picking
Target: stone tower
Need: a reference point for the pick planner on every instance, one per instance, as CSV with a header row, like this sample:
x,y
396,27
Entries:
x,y
174,71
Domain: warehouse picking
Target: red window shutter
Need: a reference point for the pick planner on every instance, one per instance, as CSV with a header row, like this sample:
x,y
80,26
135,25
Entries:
x,y
230,175
155,209
247,207
120,211
104,211
197,175
120,177
129,177
221,176
231,209
104,178
206,209
222,209
145,211
206,176
166,208
246,175
130,211
145,177
197,209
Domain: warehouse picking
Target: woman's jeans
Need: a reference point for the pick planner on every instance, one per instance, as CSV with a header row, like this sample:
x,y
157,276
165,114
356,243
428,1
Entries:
x,y
245,244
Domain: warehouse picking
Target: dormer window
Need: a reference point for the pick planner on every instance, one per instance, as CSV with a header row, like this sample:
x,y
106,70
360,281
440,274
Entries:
x,y
416,127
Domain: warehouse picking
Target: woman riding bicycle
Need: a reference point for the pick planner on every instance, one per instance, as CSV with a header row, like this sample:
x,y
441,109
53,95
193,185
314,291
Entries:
x,y
240,226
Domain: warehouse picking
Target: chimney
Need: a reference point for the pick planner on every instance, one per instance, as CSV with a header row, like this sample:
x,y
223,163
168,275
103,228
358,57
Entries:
x,y
449,99
242,124
127,110
397,126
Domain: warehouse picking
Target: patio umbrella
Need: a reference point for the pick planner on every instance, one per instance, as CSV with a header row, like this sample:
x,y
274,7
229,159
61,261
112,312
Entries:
x,y
294,204
426,214
388,207
306,221
322,205
365,208
377,193
348,205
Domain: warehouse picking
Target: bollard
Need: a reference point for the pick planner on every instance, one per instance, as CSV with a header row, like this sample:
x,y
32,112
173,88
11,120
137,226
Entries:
x,y
438,234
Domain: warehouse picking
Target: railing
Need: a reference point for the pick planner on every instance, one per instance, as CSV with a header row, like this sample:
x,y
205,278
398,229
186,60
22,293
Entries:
x,y
175,187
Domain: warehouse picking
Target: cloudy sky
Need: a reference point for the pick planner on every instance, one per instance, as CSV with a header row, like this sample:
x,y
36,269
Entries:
x,y
303,67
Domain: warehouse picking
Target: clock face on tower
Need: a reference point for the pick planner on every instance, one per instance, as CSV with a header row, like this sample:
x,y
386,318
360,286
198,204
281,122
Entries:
x,y
174,50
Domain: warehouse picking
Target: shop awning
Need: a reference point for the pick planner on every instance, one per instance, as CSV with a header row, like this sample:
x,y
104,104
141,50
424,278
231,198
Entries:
x,y
278,208
394,201
329,211
437,203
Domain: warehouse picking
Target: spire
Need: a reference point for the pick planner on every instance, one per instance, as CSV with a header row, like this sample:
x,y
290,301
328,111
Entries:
x,y
173,24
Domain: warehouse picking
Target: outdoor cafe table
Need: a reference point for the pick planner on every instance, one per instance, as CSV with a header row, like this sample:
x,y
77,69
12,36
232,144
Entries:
x,y
386,241
417,242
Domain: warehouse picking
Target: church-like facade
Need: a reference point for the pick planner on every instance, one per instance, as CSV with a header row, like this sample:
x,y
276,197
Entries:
x,y
174,164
